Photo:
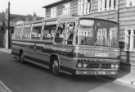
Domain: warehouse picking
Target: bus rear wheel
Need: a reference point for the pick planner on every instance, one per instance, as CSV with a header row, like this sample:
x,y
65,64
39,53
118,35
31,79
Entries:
x,y
21,58
55,67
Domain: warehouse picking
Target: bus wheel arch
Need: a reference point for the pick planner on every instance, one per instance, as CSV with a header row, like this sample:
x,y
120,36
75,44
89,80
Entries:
x,y
54,64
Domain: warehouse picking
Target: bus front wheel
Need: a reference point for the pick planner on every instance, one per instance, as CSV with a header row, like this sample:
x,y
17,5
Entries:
x,y
55,67
113,77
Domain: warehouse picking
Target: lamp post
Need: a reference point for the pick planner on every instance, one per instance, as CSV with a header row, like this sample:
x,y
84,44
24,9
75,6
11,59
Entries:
x,y
128,51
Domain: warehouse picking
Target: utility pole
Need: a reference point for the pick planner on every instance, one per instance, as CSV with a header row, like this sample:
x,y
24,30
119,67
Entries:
x,y
8,25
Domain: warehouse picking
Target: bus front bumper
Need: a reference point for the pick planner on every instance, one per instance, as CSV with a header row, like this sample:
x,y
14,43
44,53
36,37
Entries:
x,y
96,72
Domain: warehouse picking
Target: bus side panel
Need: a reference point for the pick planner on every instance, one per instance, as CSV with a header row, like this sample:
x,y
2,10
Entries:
x,y
43,53
29,53
26,47
67,60
16,50
42,57
67,63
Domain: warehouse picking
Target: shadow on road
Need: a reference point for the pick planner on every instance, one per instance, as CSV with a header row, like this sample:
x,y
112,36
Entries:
x,y
77,78
62,75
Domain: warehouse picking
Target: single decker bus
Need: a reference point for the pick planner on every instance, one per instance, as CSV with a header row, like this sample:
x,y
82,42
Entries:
x,y
74,45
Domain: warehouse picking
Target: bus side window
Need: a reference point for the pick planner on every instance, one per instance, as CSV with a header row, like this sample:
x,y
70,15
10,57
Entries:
x,y
70,33
59,37
47,34
18,33
70,39
36,33
26,33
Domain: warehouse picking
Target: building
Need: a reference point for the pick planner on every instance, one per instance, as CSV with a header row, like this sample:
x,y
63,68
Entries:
x,y
2,34
14,18
121,11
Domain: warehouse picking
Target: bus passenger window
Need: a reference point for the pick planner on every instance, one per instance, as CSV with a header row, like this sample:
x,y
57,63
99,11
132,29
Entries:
x,y
26,33
18,33
60,33
70,33
49,32
70,39
36,33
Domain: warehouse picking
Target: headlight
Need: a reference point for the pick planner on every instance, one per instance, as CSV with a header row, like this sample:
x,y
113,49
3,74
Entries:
x,y
112,66
79,65
84,65
116,66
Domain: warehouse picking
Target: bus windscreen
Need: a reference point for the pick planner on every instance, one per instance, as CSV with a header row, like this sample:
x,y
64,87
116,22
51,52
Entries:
x,y
97,33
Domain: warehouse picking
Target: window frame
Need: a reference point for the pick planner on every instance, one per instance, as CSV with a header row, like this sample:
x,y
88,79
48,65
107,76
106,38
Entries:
x,y
129,39
128,2
107,5
84,7
32,29
66,10
53,13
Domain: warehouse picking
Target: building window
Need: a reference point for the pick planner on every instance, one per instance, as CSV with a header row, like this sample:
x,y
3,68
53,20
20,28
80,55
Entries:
x,y
130,3
84,7
18,33
53,12
48,12
130,39
36,32
134,39
99,5
104,5
66,9
49,32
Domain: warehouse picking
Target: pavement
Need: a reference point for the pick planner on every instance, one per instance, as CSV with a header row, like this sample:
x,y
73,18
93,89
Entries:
x,y
4,88
5,50
126,79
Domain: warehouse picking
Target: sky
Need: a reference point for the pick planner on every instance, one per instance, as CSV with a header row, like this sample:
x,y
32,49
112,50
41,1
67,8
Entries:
x,y
26,7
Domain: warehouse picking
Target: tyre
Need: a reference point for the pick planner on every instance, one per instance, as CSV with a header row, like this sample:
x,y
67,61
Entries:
x,y
55,67
112,77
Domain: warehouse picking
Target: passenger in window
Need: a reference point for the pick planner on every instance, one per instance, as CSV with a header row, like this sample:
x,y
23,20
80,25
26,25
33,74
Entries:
x,y
70,34
61,29
49,34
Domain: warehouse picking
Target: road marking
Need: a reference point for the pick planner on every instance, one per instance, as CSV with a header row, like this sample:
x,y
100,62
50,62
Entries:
x,y
4,87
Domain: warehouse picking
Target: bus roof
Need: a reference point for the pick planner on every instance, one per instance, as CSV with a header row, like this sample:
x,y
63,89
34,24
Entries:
x,y
53,21
71,19
87,17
